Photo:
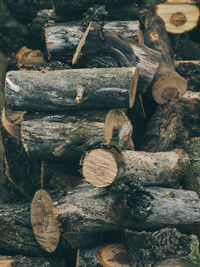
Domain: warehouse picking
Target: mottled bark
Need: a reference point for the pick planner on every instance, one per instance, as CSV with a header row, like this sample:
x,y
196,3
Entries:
x,y
71,89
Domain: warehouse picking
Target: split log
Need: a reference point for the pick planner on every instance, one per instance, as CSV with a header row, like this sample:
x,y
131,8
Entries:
x,y
62,39
102,167
191,180
178,17
167,84
63,137
24,261
71,89
67,7
87,210
96,42
29,58
110,255
149,248
165,128
190,70
26,11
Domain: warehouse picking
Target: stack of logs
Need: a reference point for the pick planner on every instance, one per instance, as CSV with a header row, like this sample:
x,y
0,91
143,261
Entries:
x,y
121,114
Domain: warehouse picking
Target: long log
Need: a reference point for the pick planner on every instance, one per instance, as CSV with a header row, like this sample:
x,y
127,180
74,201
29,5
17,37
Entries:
x,y
71,89
87,210
63,38
150,248
26,11
167,84
61,137
165,128
24,261
98,42
102,167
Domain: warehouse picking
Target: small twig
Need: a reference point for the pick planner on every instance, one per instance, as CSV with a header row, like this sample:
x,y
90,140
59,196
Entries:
x,y
77,257
142,106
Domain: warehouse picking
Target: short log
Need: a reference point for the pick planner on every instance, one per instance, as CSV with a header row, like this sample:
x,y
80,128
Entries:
x,y
96,42
110,255
178,17
102,167
63,38
87,210
24,261
62,137
71,89
165,128
167,84
150,248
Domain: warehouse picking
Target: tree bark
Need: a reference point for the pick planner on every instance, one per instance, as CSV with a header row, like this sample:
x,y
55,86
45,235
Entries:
x,y
102,167
26,11
62,39
61,137
24,261
167,84
88,210
71,89
165,128
149,248
96,42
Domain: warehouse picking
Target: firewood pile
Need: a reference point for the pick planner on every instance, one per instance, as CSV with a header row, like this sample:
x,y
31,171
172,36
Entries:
x,y
100,139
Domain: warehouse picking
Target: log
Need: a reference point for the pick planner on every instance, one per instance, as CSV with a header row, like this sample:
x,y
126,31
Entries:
x,y
61,137
87,210
150,248
191,104
178,17
190,70
167,84
26,11
71,89
29,58
102,167
110,255
191,180
24,261
66,7
63,38
165,128
116,120
96,42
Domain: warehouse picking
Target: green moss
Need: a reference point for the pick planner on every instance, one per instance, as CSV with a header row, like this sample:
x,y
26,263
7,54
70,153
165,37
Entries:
x,y
193,259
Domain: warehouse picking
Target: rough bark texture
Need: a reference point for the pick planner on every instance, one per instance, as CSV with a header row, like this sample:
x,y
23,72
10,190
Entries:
x,y
62,137
96,42
24,261
63,38
88,210
148,248
165,128
103,167
71,89
26,11
191,180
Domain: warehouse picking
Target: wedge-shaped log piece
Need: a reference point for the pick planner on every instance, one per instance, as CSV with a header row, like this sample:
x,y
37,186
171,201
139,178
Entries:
x,y
62,137
124,52
63,38
103,167
149,248
71,89
178,18
87,210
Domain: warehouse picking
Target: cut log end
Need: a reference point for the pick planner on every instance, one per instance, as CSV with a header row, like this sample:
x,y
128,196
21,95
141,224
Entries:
x,y
43,221
100,168
116,119
114,255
